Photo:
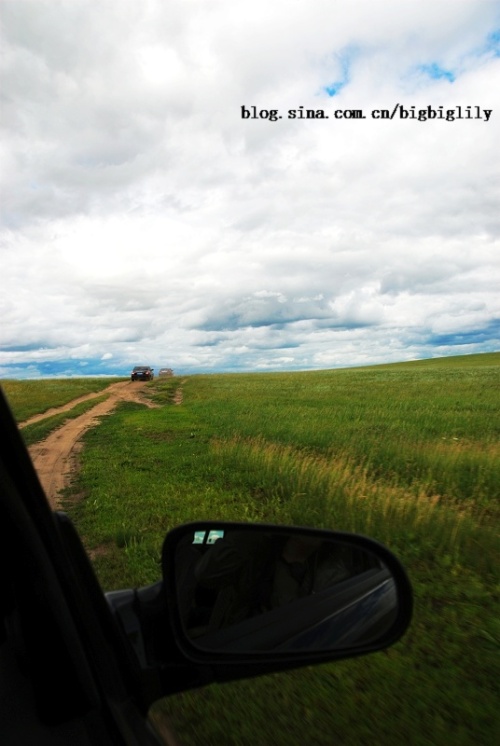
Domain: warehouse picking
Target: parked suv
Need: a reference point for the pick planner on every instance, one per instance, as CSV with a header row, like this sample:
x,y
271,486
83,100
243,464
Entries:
x,y
142,373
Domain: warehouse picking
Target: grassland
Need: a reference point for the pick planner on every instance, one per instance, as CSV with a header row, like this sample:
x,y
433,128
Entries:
x,y
27,398
38,431
406,453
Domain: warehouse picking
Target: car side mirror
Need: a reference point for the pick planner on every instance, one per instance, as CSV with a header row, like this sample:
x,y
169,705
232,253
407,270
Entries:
x,y
243,590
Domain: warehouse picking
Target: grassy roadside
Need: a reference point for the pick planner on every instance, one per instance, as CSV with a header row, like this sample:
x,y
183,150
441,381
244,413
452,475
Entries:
x,y
407,454
40,430
27,398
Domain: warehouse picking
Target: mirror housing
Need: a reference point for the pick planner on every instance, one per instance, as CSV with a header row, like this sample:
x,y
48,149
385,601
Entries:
x,y
271,597
241,600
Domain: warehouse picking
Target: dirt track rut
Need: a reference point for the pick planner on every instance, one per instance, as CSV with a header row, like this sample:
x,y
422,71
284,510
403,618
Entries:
x,y
55,457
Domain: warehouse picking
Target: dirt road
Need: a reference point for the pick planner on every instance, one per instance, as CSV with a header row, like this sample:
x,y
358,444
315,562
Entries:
x,y
55,457
55,460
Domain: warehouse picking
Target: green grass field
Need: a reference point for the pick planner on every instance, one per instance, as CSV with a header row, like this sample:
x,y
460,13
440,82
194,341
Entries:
x,y
408,454
38,431
27,398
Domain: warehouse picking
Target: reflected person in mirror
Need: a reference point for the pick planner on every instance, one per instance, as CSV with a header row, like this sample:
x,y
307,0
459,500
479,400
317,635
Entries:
x,y
243,575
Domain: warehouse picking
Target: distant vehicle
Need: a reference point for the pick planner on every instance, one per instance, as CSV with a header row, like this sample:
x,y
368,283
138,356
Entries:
x,y
142,373
166,372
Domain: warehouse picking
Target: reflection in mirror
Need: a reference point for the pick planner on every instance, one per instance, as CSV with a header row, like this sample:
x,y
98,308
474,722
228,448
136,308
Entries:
x,y
275,591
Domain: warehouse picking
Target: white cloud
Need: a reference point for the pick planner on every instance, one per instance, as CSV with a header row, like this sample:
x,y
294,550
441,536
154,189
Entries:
x,y
143,219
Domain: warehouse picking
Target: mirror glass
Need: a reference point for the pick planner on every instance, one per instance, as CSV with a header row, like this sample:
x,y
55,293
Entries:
x,y
269,590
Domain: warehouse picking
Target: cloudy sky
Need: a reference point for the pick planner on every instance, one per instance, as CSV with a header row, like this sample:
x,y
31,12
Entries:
x,y
146,221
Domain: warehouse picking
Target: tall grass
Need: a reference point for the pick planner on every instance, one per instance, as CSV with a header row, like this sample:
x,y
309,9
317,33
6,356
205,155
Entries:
x,y
408,454
437,430
338,493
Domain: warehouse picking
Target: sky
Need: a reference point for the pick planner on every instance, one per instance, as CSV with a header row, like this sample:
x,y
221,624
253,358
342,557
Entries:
x,y
160,206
